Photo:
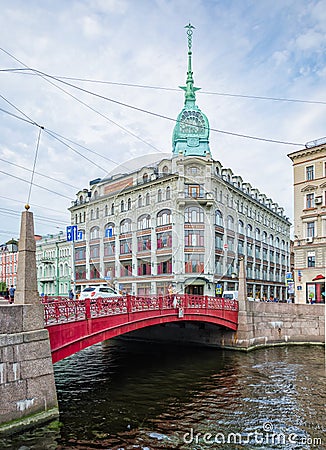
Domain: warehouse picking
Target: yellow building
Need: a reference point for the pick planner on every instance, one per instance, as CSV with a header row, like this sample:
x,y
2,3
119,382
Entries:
x,y
309,174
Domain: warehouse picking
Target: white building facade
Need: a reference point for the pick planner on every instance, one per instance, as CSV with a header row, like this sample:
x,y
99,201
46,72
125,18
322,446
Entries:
x,y
182,223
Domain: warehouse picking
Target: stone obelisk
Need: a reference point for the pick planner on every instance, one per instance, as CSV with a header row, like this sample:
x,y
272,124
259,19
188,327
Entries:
x,y
26,289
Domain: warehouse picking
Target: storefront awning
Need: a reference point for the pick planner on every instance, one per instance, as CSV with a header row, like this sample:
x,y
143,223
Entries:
x,y
319,277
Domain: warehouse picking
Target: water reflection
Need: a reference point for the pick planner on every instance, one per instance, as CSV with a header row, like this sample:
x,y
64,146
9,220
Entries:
x,y
131,395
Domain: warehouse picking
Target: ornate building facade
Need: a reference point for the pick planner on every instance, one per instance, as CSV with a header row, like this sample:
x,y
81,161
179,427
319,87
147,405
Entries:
x,y
54,265
309,170
182,223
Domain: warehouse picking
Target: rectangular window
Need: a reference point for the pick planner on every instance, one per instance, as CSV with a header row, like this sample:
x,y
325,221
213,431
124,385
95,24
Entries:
x,y
126,270
143,243
80,253
144,268
310,229
310,200
194,238
125,246
309,173
164,240
164,267
94,251
109,249
230,242
194,191
194,263
311,261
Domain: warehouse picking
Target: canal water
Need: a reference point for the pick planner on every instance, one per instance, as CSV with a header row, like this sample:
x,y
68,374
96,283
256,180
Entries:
x,y
133,395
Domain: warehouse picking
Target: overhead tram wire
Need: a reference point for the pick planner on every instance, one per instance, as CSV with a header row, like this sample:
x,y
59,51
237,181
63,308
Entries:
x,y
53,134
37,185
43,74
12,212
146,86
38,173
45,77
32,204
275,141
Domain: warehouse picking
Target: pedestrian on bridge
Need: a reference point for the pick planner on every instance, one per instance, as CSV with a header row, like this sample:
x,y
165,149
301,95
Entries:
x,y
11,294
71,295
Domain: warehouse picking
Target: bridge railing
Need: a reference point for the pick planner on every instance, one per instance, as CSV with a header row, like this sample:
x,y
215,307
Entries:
x,y
65,310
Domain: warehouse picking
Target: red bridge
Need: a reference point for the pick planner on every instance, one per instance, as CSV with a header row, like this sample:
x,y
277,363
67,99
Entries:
x,y
76,324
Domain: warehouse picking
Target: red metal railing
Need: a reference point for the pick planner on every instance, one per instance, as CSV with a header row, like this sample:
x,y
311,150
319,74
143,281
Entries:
x,y
61,310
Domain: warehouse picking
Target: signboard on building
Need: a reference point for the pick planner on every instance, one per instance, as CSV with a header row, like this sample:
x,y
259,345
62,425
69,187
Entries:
x,y
218,289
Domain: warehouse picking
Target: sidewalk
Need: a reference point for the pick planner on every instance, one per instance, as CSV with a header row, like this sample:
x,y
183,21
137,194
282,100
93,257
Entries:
x,y
4,302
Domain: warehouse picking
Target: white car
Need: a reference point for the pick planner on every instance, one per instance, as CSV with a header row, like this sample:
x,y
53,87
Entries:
x,y
98,292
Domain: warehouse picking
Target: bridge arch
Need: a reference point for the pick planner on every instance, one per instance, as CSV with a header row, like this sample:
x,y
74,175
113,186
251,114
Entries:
x,y
75,325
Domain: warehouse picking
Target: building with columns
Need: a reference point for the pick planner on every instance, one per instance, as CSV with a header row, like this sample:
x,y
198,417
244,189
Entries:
x,y
309,173
181,223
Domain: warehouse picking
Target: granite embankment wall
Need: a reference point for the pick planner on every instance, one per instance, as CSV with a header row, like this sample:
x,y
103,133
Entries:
x,y
260,324
27,388
263,324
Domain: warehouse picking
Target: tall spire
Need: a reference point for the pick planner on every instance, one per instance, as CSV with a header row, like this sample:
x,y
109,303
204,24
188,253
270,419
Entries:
x,y
189,89
191,131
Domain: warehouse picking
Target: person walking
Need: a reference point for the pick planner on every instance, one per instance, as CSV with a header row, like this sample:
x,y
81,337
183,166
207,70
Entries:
x,y
71,295
11,294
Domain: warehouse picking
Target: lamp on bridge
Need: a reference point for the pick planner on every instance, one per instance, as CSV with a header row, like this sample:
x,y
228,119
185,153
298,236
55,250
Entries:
x,y
234,275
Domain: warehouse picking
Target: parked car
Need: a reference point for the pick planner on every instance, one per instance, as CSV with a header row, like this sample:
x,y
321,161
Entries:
x,y
98,292
230,295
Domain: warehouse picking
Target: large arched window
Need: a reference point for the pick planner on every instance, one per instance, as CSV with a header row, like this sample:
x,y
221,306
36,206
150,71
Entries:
x,y
147,199
159,195
277,242
240,227
129,204
140,201
109,230
271,239
125,226
249,230
122,205
164,217
94,233
144,222
194,214
168,193
218,218
257,234
264,236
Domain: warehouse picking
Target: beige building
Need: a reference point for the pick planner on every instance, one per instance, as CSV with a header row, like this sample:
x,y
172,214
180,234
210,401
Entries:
x,y
309,171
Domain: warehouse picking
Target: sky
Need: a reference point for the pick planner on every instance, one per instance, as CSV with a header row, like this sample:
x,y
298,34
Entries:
x,y
135,52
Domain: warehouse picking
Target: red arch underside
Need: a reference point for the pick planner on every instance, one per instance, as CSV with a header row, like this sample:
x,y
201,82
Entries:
x,y
71,337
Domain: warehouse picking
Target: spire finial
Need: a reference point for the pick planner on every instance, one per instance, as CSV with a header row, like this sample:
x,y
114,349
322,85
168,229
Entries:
x,y
189,88
189,33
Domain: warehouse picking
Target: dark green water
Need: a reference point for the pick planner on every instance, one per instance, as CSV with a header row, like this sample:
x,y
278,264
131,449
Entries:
x,y
130,395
